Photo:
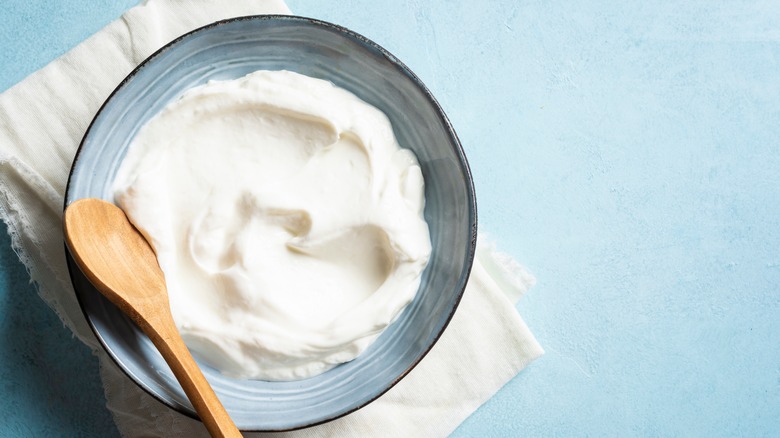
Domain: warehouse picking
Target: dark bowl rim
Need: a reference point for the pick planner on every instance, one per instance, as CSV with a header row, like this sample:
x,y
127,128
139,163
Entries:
x,y
472,201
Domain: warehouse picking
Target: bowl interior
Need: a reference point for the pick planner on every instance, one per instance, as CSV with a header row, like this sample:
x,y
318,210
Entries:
x,y
234,48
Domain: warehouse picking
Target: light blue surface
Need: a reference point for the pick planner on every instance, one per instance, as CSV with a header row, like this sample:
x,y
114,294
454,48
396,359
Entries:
x,y
231,50
628,153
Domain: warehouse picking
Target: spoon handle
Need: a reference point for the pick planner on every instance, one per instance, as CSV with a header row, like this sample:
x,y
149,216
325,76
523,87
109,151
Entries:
x,y
165,336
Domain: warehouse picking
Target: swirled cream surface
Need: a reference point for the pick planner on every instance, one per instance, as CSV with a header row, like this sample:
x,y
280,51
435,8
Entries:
x,y
286,218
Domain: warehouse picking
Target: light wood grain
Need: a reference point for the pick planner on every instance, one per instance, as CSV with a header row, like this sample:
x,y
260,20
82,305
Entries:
x,y
119,262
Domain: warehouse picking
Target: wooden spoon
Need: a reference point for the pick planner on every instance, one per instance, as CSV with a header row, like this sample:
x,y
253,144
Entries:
x,y
119,262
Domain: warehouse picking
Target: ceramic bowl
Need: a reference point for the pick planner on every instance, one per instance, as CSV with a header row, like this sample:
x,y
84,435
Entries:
x,y
231,49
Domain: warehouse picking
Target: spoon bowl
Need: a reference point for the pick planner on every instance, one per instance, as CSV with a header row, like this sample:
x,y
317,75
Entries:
x,y
119,262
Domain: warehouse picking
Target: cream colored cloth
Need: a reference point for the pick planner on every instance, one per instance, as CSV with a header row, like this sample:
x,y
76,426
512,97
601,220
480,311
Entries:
x,y
42,120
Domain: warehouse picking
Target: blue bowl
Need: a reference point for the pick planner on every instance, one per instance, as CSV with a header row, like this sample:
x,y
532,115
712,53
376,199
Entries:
x,y
231,49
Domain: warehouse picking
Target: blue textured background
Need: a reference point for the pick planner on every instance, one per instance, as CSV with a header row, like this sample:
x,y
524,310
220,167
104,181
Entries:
x,y
627,153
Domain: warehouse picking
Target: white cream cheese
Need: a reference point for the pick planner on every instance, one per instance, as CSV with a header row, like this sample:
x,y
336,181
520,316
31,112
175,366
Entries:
x,y
286,218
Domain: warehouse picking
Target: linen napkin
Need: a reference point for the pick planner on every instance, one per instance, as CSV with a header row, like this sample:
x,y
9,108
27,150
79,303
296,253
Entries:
x,y
42,120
